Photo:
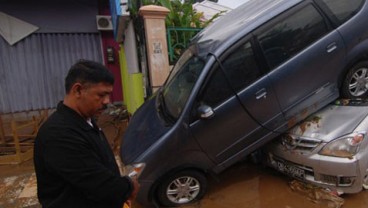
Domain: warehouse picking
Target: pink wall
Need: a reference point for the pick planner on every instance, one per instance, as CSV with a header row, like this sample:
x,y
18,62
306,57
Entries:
x,y
108,41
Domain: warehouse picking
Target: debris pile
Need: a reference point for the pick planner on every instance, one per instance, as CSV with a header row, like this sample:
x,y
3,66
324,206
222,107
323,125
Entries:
x,y
317,195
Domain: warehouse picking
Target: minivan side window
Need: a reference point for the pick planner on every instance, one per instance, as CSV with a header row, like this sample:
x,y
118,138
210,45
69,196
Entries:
x,y
291,35
241,69
344,9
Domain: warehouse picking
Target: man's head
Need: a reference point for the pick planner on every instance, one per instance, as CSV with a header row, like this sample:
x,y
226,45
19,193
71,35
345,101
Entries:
x,y
88,86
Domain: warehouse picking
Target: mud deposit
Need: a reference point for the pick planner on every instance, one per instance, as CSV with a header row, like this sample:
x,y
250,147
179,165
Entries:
x,y
247,185
244,185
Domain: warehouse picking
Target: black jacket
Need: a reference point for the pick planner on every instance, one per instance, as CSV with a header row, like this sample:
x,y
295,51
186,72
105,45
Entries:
x,y
75,166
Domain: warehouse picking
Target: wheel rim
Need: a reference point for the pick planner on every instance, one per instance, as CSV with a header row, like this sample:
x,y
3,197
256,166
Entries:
x,y
183,190
358,84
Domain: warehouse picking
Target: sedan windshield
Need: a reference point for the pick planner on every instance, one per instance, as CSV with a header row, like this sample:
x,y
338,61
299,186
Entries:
x,y
177,89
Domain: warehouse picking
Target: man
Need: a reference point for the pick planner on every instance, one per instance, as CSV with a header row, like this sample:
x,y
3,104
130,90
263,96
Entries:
x,y
74,164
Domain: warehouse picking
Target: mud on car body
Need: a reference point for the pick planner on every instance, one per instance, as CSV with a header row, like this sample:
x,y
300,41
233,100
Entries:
x,y
329,149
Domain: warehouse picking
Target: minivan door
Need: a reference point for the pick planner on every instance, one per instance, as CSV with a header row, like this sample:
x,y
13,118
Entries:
x,y
304,55
235,126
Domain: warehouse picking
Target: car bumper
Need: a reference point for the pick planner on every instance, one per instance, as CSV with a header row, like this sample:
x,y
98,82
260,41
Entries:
x,y
339,174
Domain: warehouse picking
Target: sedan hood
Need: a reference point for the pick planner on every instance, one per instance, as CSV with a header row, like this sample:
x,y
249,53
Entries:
x,y
331,122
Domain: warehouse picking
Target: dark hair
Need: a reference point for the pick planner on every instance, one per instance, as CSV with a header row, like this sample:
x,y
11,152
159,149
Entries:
x,y
86,71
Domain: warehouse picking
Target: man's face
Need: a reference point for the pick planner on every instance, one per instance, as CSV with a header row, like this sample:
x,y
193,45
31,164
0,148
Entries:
x,y
94,98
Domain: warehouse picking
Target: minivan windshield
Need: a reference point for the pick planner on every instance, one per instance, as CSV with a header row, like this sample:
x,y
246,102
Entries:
x,y
176,91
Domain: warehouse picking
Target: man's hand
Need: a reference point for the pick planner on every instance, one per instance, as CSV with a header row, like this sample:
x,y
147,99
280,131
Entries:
x,y
127,204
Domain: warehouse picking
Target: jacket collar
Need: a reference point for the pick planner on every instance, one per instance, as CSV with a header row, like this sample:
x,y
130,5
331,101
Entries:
x,y
78,119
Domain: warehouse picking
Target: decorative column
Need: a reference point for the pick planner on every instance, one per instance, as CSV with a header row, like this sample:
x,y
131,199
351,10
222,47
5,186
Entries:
x,y
156,43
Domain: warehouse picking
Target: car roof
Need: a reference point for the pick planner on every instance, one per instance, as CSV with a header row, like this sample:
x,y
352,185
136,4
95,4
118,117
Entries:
x,y
231,27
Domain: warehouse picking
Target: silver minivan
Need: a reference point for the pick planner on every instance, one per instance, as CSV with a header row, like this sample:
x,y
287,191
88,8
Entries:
x,y
250,76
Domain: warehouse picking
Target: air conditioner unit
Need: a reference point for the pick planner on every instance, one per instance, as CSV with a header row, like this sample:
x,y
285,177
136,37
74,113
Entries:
x,y
104,22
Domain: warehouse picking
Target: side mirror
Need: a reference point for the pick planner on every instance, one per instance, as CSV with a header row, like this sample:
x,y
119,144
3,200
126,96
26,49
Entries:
x,y
205,111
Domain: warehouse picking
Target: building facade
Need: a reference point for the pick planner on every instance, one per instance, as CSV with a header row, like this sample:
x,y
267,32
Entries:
x,y
39,42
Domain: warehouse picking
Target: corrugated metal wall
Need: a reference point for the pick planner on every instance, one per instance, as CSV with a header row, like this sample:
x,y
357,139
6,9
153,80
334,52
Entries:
x,y
32,71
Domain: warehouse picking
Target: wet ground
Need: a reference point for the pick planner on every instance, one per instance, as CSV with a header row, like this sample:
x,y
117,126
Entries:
x,y
248,185
18,186
243,185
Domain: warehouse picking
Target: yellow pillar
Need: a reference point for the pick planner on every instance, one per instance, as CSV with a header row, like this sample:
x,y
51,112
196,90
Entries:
x,y
132,84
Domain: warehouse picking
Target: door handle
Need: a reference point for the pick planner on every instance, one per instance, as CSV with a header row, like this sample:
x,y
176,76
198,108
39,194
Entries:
x,y
261,94
331,47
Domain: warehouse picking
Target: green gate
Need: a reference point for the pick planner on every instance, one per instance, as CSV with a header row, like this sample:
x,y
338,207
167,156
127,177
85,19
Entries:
x,y
178,39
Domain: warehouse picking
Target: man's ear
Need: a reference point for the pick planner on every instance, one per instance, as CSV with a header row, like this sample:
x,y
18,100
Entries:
x,y
76,89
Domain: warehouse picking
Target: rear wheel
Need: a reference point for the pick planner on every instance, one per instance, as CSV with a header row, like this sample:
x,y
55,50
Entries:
x,y
355,84
183,187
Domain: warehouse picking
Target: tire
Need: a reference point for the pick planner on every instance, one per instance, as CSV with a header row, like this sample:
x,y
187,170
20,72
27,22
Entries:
x,y
181,188
355,84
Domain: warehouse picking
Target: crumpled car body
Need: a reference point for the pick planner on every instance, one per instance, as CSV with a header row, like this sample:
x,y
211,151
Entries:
x,y
328,149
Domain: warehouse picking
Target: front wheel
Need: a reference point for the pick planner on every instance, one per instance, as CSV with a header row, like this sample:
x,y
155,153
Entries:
x,y
355,84
183,187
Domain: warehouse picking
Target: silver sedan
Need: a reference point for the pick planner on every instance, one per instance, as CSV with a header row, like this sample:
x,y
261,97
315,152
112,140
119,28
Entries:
x,y
329,149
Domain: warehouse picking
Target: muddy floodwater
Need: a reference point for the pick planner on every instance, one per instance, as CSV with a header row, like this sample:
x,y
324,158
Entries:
x,y
246,185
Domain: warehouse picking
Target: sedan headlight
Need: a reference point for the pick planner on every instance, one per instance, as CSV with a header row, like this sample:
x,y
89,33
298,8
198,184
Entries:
x,y
134,170
346,146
